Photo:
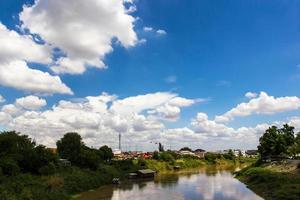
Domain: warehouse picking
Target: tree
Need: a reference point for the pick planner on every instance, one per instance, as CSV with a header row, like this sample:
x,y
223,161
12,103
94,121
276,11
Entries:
x,y
106,152
69,147
24,153
160,147
276,142
294,150
89,158
185,149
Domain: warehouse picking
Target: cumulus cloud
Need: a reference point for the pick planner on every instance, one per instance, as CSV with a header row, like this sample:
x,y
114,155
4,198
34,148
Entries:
x,y
94,117
15,51
17,74
147,29
21,47
201,124
11,109
2,100
140,103
251,95
263,104
31,102
86,37
161,32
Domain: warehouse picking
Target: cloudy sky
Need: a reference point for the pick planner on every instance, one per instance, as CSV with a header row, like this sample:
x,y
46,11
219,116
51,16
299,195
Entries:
x,y
207,74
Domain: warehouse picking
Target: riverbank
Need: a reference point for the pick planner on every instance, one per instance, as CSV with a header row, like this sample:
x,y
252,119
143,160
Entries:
x,y
191,163
65,183
276,180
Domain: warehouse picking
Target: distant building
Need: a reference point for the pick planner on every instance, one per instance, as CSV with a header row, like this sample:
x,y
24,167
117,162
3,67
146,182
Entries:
x,y
146,173
251,153
200,153
186,153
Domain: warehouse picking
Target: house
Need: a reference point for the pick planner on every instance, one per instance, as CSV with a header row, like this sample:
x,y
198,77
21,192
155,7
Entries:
x,y
251,153
200,153
146,173
184,152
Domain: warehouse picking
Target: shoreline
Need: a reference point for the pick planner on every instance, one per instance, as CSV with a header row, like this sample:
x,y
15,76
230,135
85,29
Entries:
x,y
277,180
220,165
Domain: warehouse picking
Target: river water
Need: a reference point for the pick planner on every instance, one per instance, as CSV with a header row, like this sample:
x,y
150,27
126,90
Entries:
x,y
200,185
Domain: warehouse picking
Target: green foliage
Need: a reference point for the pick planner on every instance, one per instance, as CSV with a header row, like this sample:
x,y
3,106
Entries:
x,y
23,153
47,169
72,148
230,155
212,157
69,147
278,142
106,153
271,184
160,147
294,150
185,149
9,167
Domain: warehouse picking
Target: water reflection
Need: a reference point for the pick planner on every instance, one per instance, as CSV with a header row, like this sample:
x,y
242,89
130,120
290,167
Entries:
x,y
207,184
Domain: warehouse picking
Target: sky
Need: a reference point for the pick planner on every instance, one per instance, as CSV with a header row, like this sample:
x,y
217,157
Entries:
x,y
205,74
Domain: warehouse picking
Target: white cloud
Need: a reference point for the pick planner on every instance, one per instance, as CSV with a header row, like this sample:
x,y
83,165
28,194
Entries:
x,y
263,104
201,124
4,118
142,41
93,117
15,51
161,32
140,103
31,102
11,109
21,47
86,36
18,75
251,95
2,100
148,29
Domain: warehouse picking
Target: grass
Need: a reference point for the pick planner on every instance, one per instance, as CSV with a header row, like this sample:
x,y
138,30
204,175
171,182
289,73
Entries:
x,y
272,182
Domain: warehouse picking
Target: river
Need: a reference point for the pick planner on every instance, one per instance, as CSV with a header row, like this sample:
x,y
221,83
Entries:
x,y
200,185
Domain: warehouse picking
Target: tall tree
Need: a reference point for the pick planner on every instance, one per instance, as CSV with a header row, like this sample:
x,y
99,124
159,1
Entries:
x,y
160,147
276,141
106,152
69,147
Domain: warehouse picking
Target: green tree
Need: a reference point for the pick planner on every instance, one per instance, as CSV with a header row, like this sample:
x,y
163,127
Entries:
x,y
160,147
89,158
23,151
294,150
185,149
106,152
69,147
275,142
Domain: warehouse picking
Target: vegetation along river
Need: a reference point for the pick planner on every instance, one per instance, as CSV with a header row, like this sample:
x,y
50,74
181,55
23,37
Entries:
x,y
200,185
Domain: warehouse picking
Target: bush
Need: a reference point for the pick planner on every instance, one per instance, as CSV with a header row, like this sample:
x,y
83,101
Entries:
x,y
9,167
48,169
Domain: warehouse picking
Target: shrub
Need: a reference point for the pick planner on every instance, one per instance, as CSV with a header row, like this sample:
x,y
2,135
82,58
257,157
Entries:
x,y
48,169
9,167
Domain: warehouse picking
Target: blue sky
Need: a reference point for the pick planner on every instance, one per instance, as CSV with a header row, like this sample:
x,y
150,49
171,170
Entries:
x,y
215,50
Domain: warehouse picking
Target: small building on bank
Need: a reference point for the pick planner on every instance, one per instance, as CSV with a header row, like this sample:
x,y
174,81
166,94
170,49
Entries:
x,y
146,173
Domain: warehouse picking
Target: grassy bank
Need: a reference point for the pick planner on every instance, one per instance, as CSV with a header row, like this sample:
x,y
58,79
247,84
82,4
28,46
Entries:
x,y
278,180
192,163
63,184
